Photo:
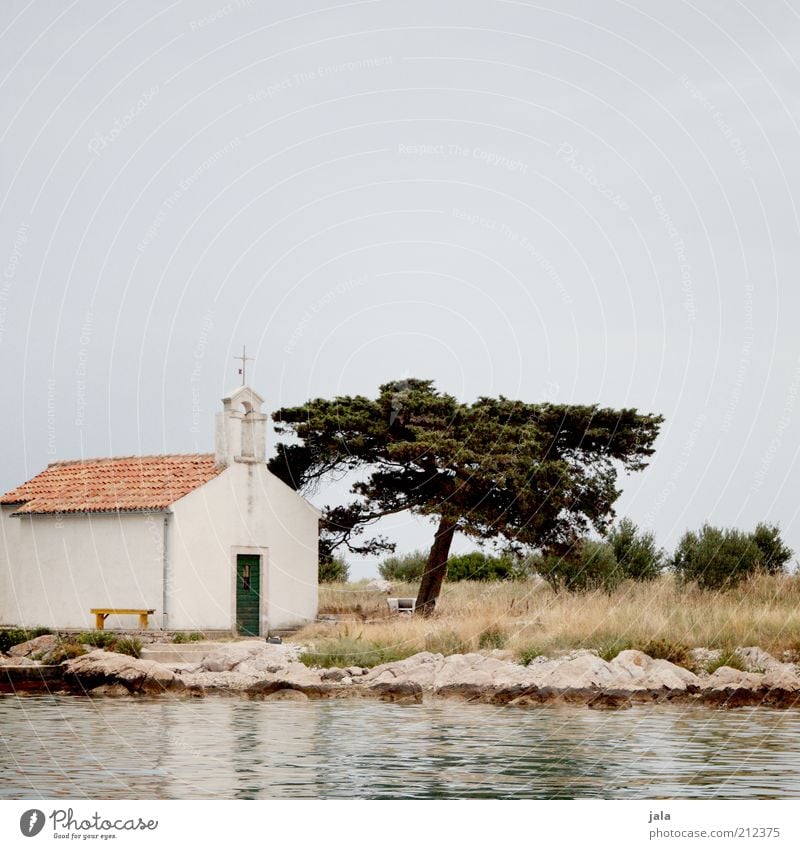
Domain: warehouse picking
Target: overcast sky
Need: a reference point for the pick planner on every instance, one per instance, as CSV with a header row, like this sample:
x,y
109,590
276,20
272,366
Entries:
x,y
589,202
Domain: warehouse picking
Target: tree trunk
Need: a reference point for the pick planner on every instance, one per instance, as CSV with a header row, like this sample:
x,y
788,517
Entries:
x,y
436,568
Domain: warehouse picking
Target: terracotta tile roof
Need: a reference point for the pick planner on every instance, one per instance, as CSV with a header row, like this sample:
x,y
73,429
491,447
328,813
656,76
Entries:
x,y
109,485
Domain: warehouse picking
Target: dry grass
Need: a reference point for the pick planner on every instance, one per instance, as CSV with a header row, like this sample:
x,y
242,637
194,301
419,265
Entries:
x,y
528,618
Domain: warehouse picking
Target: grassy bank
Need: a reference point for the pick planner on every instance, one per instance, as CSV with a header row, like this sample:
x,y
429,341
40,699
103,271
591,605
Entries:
x,y
529,619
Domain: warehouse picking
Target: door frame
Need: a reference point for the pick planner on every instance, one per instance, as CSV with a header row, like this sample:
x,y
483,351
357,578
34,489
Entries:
x,y
263,585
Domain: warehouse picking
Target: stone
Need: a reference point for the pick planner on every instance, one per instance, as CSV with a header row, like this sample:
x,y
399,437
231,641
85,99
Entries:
x,y
356,671
610,701
115,690
286,696
332,674
402,693
757,660
35,646
100,667
583,672
638,671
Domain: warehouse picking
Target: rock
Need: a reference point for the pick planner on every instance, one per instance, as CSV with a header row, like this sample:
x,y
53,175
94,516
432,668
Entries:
x,y
251,657
35,646
652,674
17,661
757,660
728,678
98,668
583,672
610,701
109,690
286,696
356,671
402,693
380,585
419,668
332,674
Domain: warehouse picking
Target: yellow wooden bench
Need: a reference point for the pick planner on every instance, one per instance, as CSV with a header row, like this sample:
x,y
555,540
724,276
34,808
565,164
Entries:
x,y
100,614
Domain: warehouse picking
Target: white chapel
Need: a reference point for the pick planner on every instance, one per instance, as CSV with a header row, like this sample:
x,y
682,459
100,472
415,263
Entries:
x,y
208,542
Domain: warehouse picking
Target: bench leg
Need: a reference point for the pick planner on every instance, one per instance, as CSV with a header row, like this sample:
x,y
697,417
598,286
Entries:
x,y
143,621
100,621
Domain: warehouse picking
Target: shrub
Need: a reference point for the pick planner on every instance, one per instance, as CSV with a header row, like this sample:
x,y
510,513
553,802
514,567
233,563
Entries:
x,y
446,643
730,658
589,565
477,566
493,637
719,558
636,552
676,653
405,568
98,639
62,652
127,645
351,651
774,555
609,650
529,653
14,636
335,571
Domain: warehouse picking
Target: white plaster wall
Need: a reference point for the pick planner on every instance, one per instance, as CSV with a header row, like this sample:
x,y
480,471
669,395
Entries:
x,y
245,508
54,569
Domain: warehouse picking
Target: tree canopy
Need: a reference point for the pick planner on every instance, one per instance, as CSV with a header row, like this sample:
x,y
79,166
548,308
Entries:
x,y
530,476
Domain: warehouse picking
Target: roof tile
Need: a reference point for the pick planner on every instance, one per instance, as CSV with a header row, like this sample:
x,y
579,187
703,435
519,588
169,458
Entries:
x,y
113,484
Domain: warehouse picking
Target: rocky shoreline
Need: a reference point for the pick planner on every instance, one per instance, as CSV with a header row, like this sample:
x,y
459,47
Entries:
x,y
253,669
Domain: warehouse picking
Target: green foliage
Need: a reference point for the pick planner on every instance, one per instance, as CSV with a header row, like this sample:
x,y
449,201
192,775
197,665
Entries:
x,y
493,637
530,653
407,568
446,643
676,653
610,649
477,566
730,658
127,645
97,639
333,571
63,651
719,558
774,554
528,475
635,551
351,651
190,637
588,565
14,636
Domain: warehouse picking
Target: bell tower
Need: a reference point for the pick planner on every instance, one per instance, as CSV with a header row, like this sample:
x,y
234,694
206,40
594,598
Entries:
x,y
241,428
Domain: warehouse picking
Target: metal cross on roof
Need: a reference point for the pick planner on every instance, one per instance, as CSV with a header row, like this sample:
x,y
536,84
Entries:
x,y
244,358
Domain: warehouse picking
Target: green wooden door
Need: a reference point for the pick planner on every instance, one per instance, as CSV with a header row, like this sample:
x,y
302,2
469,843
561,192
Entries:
x,y
248,600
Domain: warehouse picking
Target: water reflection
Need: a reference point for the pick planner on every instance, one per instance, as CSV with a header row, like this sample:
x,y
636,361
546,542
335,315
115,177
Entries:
x,y
62,747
